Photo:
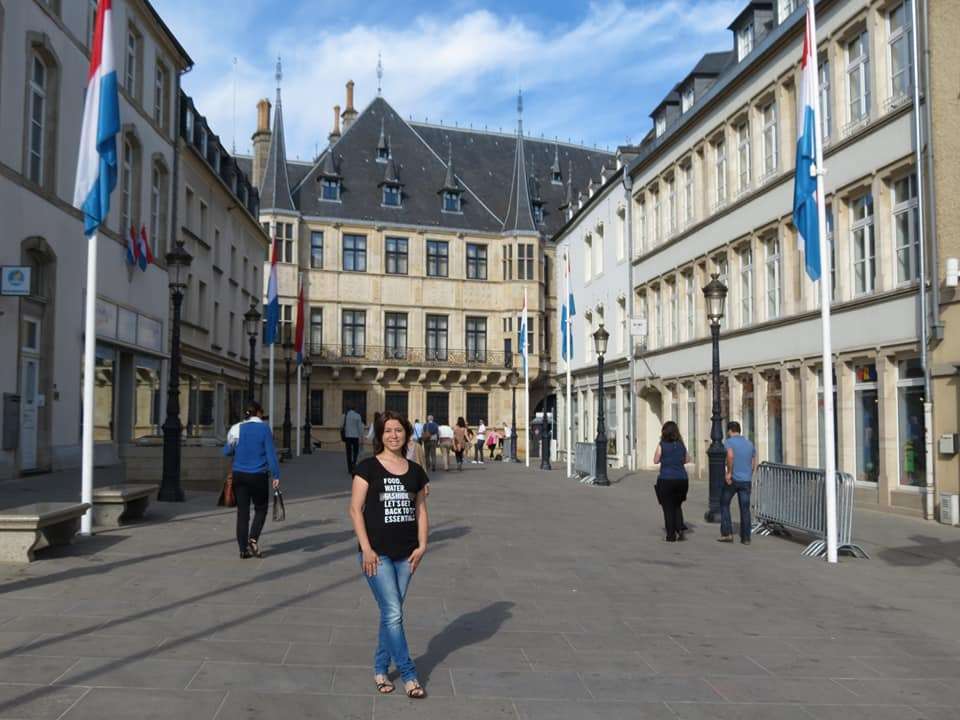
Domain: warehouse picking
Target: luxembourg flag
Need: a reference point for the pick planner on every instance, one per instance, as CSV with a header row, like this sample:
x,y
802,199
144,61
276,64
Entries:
x,y
273,300
97,162
805,200
143,248
298,337
133,247
567,312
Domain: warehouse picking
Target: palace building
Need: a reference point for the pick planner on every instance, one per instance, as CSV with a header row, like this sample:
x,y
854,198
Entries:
x,y
416,244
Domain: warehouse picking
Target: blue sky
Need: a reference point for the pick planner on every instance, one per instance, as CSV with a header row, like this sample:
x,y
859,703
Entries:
x,y
590,72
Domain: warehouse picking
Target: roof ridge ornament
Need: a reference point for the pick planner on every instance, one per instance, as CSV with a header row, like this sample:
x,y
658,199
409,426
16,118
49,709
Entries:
x,y
379,73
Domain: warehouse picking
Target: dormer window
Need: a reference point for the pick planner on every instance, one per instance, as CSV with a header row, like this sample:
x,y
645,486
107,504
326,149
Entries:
x,y
686,98
744,41
382,154
189,124
557,179
391,195
660,123
451,201
330,189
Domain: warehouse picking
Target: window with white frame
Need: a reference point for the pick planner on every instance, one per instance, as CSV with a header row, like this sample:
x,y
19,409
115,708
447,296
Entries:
x,y
132,63
658,315
862,240
744,41
722,269
641,225
160,96
688,196
657,219
720,168
672,206
858,76
621,325
38,119
621,233
900,40
906,218
126,188
316,249
690,303
826,114
743,156
786,9
832,244
746,285
674,312
686,98
660,123
158,201
587,257
770,138
774,263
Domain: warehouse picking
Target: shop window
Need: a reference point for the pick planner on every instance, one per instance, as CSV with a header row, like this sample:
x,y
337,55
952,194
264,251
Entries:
x,y
912,428
146,403
867,408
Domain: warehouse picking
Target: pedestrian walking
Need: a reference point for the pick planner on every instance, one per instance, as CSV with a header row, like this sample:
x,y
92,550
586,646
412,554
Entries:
x,y
250,443
479,439
493,437
388,508
445,436
741,463
351,430
430,436
461,441
672,481
417,430
507,441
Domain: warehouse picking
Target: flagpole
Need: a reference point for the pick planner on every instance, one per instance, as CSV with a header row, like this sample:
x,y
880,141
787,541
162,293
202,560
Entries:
x,y
567,341
270,391
89,368
526,373
830,461
297,424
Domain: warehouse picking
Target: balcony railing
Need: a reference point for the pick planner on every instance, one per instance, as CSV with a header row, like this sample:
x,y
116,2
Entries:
x,y
345,354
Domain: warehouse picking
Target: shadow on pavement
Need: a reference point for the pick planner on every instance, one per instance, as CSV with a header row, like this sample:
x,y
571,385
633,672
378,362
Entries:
x,y
923,551
466,630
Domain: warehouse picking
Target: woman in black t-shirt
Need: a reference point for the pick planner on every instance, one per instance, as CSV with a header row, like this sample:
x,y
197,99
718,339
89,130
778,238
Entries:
x,y
388,508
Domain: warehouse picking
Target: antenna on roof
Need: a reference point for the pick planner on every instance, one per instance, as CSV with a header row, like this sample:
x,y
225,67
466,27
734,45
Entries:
x,y
379,74
279,73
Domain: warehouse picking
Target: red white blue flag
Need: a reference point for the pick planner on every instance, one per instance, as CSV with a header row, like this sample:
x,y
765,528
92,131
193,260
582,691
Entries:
x,y
145,256
273,300
805,200
97,161
133,247
298,338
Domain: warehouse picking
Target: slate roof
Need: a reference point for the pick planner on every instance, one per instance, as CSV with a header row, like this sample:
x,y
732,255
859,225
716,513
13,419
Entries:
x,y
275,185
485,163
713,63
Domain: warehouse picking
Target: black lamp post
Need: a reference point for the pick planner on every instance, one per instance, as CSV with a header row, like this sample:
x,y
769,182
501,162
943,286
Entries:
x,y
287,424
600,338
307,367
515,438
715,294
178,260
251,323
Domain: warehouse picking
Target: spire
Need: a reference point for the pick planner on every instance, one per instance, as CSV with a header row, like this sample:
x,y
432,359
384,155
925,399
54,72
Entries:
x,y
568,200
275,184
328,168
519,216
379,74
383,147
450,182
555,165
391,173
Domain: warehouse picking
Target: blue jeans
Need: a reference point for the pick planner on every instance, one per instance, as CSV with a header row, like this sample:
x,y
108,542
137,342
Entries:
x,y
389,587
742,491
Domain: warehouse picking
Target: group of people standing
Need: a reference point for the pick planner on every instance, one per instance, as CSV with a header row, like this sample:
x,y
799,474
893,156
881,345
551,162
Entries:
x,y
672,481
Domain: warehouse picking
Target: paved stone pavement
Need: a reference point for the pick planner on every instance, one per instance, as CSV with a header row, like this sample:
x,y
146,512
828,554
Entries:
x,y
539,598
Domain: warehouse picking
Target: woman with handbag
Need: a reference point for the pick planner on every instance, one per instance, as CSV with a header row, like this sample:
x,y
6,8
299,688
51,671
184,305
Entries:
x,y
461,439
388,508
250,443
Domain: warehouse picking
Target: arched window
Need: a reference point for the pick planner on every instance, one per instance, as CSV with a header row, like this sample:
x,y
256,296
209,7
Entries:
x,y
37,108
129,184
158,207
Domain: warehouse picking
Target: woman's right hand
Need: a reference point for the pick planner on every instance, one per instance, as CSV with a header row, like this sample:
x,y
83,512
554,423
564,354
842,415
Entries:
x,y
370,562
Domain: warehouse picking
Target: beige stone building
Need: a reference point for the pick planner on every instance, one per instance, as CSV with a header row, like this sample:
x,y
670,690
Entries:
x,y
416,244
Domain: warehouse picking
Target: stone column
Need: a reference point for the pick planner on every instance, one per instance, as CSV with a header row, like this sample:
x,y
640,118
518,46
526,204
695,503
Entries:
x,y
889,470
810,415
792,409
846,418
760,414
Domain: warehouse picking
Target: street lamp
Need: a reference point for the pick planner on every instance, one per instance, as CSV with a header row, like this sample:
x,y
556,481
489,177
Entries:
x,y
600,338
515,437
715,294
307,368
178,260
251,323
287,424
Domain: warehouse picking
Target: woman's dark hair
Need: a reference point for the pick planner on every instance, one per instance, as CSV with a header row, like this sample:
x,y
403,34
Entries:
x,y
380,421
253,409
461,422
670,432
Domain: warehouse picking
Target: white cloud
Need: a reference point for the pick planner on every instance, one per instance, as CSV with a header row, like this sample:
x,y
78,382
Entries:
x,y
596,78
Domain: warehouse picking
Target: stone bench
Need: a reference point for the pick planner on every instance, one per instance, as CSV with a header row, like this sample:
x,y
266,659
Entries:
x,y
115,504
26,529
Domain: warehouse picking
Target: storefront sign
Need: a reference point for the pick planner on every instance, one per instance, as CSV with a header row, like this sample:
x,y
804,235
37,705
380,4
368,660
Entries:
x,y
638,327
15,280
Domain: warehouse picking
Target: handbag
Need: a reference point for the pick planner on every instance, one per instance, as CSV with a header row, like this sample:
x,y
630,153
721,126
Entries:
x,y
227,497
279,509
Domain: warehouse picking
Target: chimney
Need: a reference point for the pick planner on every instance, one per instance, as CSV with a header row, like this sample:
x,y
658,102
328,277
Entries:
x,y
335,133
261,142
349,113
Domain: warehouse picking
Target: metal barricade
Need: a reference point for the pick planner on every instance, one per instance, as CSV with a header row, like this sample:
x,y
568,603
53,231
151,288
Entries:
x,y
786,497
585,461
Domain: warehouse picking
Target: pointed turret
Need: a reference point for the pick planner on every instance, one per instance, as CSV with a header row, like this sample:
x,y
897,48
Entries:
x,y
328,168
275,183
519,215
383,147
555,174
450,182
391,174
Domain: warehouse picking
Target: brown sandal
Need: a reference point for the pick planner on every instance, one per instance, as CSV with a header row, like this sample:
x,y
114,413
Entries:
x,y
417,692
385,687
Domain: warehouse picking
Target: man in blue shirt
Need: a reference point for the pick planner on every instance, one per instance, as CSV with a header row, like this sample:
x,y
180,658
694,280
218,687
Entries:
x,y
430,436
741,462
